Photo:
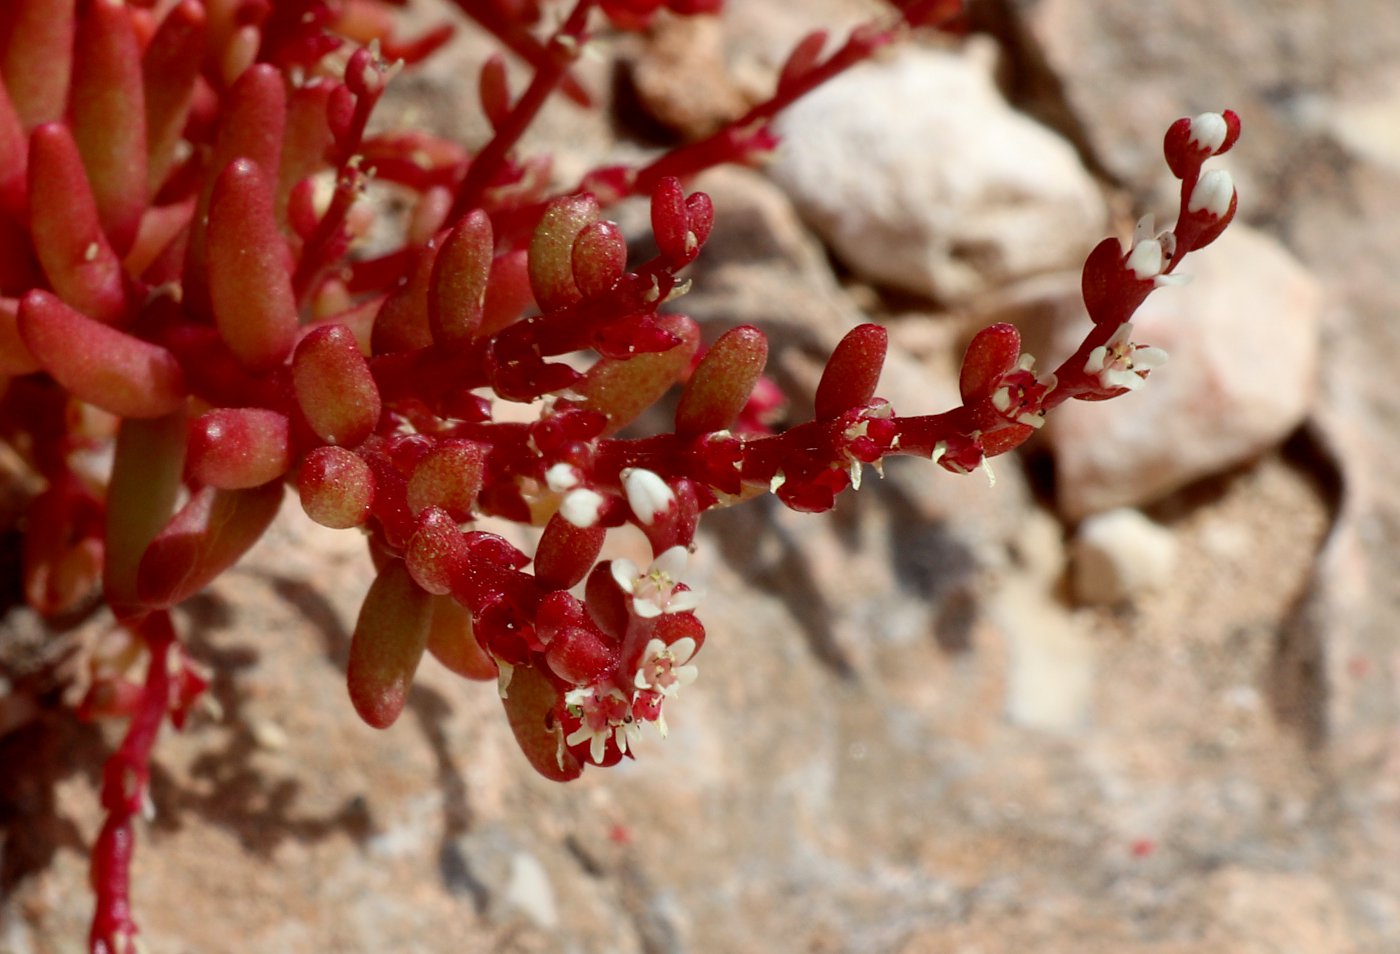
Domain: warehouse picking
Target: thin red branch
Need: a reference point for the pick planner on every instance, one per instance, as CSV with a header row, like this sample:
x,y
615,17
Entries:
x,y
124,781
550,70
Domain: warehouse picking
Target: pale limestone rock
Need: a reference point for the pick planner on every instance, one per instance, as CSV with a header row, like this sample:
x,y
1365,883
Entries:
x,y
1119,555
920,176
1243,338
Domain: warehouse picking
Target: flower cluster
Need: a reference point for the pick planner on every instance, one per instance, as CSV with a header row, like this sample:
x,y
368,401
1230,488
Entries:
x,y
182,199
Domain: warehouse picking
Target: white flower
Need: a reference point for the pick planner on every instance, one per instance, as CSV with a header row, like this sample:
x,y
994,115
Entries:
x,y
665,669
581,507
602,716
1208,131
1214,192
1145,260
647,494
654,592
1119,363
1152,253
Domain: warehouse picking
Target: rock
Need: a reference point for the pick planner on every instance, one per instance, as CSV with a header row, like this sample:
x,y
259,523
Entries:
x,y
1126,70
1050,673
1243,338
681,79
1119,554
1283,912
920,176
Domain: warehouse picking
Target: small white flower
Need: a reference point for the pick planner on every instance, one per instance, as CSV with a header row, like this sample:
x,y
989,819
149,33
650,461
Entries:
x,y
562,477
1119,363
602,716
647,494
1145,260
1214,192
665,669
1208,131
581,507
654,592
1152,253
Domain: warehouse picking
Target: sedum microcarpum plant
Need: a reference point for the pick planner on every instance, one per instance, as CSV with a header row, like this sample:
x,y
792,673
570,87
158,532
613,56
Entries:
x,y
180,211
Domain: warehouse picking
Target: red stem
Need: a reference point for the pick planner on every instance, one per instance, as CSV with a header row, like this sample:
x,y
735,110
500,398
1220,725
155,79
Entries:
x,y
724,145
519,41
328,243
124,780
550,70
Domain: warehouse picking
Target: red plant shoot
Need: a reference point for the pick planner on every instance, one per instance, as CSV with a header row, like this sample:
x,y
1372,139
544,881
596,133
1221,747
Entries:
x,y
168,260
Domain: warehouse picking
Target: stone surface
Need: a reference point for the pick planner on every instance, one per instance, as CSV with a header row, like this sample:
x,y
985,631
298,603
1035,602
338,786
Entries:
x,y
919,176
1119,554
1244,339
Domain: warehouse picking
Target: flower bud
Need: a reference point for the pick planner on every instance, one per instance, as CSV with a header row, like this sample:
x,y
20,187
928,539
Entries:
x,y
647,494
1208,131
1214,194
1145,260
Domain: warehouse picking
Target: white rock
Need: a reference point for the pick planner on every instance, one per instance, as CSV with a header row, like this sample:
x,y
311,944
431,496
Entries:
x,y
1051,664
1119,554
1243,340
529,890
920,176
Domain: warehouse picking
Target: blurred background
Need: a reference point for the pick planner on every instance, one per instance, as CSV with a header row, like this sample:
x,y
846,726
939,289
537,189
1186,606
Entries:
x,y
1138,697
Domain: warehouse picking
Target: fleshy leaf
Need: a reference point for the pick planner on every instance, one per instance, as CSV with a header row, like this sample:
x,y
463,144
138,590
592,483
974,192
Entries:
x,y
387,645
529,702
722,382
209,535
853,371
